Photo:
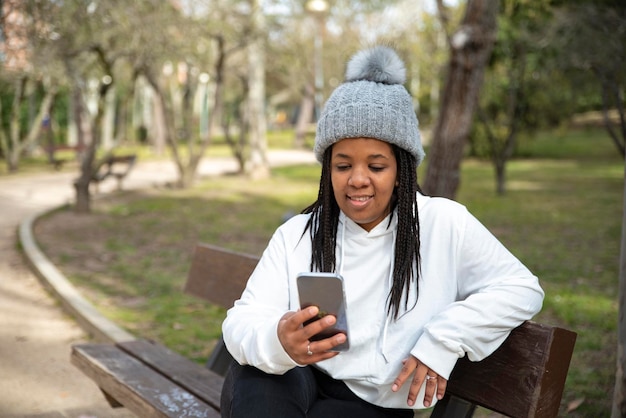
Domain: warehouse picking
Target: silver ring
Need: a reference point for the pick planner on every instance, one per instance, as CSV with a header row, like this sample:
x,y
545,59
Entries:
x,y
308,350
430,377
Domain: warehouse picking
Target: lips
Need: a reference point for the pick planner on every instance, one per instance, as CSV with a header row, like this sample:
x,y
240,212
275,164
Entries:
x,y
359,200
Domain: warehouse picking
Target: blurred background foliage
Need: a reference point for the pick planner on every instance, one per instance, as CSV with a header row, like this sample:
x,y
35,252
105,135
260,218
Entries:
x,y
552,60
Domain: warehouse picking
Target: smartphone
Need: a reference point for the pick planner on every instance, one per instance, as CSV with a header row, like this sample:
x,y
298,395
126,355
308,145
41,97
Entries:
x,y
326,291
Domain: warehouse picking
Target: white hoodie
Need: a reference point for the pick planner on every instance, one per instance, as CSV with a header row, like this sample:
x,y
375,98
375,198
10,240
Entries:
x,y
472,292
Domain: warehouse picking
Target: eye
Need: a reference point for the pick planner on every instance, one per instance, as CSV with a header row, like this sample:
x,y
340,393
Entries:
x,y
342,167
377,168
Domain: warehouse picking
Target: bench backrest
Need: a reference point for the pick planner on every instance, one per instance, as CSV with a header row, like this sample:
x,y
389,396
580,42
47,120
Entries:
x,y
525,377
218,275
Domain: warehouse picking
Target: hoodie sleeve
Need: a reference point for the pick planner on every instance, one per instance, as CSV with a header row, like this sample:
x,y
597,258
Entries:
x,y
250,327
495,293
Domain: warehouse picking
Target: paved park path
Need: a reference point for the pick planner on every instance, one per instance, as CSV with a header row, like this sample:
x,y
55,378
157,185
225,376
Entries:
x,y
36,377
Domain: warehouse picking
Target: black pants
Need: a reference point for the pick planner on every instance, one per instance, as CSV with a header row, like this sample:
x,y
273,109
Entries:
x,y
302,392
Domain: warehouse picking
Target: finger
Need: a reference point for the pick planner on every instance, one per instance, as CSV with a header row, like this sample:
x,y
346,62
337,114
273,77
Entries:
x,y
431,385
442,385
419,377
304,315
312,354
416,384
293,321
329,344
408,366
318,326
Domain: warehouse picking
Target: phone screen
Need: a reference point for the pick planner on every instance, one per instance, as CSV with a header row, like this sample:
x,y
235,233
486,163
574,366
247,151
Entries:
x,y
325,290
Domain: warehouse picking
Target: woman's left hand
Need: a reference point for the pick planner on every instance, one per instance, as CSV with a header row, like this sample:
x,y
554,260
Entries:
x,y
434,382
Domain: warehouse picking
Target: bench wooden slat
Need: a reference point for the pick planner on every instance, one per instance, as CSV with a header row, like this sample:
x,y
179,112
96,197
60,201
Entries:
x,y
522,378
140,389
198,380
219,275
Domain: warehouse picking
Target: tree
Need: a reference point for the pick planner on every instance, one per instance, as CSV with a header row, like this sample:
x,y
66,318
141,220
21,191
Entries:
x,y
590,35
89,58
619,393
470,49
89,166
18,139
32,78
513,83
258,165
131,50
595,46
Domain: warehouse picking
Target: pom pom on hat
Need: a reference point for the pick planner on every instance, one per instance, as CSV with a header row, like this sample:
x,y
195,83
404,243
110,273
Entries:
x,y
379,64
371,103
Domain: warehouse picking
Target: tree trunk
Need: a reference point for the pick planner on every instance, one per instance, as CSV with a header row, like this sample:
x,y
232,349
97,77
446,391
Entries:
x,y
14,124
258,166
19,143
186,177
81,184
500,169
619,394
165,113
611,89
470,49
4,141
76,132
88,166
217,111
159,128
108,121
305,115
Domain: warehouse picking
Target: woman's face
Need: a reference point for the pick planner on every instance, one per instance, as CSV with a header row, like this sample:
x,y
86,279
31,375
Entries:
x,y
363,175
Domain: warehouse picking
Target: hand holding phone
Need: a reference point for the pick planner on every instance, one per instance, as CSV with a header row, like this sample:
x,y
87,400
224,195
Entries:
x,y
326,291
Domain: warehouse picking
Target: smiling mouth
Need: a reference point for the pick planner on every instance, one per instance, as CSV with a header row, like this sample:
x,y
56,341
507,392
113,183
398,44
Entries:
x,y
359,198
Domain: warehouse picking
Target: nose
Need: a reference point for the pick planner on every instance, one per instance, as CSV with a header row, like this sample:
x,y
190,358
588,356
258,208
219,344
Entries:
x,y
359,178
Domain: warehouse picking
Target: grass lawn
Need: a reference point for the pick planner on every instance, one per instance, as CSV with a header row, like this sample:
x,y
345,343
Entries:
x,y
561,216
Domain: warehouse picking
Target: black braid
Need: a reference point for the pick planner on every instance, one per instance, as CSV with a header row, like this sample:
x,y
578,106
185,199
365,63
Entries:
x,y
407,252
325,220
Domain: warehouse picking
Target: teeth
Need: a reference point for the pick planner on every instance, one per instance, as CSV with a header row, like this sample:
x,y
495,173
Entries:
x,y
360,199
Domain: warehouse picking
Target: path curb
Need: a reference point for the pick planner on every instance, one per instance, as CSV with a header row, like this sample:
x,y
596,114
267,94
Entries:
x,y
87,316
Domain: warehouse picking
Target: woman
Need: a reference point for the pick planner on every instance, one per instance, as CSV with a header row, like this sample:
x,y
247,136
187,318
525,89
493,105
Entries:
x,y
425,282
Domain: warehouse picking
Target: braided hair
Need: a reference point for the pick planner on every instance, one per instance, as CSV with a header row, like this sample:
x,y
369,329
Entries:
x,y
324,220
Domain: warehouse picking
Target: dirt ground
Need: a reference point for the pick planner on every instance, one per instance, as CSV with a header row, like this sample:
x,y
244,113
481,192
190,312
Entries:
x,y
35,334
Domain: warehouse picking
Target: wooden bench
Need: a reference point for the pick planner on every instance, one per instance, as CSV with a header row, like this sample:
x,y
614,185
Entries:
x,y
117,166
525,377
57,162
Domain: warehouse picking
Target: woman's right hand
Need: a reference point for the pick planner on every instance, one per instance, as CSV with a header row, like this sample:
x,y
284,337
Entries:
x,y
295,338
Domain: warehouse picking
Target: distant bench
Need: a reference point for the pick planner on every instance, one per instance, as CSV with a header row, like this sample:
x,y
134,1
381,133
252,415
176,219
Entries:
x,y
525,377
57,162
116,166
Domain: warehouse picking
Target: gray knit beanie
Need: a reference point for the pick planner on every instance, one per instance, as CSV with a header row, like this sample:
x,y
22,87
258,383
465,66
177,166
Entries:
x,y
371,103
